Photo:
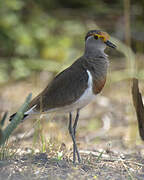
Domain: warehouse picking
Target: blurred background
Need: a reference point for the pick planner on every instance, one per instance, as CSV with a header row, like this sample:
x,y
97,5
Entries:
x,y
40,38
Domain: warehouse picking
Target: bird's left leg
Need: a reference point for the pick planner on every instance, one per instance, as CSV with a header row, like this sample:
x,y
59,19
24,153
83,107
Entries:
x,y
74,131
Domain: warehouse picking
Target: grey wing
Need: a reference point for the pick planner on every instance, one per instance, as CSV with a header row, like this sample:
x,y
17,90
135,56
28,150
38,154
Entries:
x,y
65,89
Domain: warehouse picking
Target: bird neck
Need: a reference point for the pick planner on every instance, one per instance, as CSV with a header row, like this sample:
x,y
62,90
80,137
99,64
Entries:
x,y
96,61
94,52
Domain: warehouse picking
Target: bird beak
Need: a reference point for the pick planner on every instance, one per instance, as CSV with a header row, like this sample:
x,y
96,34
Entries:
x,y
110,44
105,36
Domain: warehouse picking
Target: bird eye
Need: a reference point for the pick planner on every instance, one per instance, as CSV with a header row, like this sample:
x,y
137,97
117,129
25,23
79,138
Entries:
x,y
96,37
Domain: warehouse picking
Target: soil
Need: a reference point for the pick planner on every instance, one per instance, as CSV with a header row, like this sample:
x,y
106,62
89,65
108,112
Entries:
x,y
39,166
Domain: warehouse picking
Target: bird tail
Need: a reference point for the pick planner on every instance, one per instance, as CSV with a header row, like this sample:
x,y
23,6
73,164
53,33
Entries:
x,y
27,113
13,115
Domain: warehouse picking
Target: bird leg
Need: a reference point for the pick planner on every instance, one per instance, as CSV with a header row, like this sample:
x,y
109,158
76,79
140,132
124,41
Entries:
x,y
75,123
72,131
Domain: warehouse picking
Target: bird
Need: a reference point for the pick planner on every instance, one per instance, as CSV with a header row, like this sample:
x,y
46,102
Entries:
x,y
76,86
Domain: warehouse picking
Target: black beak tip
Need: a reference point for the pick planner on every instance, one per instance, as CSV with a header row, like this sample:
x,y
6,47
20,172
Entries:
x,y
110,44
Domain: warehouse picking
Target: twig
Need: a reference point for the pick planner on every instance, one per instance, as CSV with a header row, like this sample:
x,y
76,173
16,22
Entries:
x,y
129,173
139,107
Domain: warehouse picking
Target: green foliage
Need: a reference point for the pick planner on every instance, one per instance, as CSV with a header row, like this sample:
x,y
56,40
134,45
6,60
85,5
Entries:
x,y
59,156
100,156
4,134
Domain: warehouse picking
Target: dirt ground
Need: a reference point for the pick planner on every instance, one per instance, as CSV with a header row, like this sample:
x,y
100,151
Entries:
x,y
39,166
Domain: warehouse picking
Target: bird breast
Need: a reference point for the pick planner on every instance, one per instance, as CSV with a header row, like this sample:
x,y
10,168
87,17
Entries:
x,y
98,85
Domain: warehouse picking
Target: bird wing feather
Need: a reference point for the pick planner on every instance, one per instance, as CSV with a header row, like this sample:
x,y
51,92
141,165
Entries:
x,y
64,89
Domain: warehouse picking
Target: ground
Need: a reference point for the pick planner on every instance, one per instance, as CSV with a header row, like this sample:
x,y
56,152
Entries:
x,y
40,166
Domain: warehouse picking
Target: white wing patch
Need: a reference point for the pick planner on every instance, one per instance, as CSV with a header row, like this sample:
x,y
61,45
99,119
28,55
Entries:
x,y
90,82
88,95
30,111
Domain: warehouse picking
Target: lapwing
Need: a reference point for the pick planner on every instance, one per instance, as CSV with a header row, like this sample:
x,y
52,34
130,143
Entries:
x,y
76,86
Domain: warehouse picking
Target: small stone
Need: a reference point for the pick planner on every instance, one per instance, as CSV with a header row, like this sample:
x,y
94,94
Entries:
x,y
85,168
62,164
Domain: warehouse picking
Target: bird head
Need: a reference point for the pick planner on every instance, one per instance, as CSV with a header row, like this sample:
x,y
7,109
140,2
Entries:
x,y
98,39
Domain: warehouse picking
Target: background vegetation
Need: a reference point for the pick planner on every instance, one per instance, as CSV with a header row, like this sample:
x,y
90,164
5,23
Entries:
x,y
47,35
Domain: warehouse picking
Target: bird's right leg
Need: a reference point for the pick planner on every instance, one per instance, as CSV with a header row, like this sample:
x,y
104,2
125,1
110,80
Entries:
x,y
71,132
